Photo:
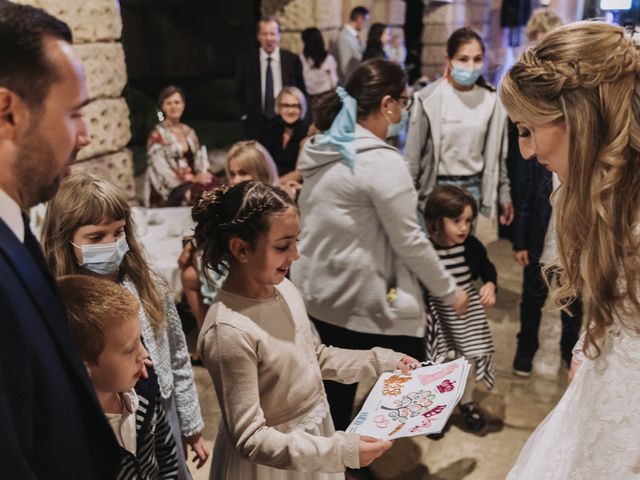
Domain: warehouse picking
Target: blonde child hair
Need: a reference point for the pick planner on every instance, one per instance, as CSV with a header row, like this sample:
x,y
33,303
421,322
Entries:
x,y
86,199
585,75
254,159
541,22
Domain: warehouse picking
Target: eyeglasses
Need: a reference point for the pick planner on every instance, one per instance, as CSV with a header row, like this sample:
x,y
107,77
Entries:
x,y
407,100
290,105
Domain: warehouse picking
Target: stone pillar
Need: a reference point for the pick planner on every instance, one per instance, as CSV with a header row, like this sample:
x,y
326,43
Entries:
x,y
97,27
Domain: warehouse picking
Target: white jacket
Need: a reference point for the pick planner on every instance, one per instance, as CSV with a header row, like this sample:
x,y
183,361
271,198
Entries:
x,y
422,150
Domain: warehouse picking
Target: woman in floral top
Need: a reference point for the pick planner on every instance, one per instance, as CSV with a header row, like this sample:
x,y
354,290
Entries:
x,y
178,168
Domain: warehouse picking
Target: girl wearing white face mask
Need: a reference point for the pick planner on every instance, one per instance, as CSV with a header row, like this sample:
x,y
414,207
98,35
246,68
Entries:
x,y
88,230
458,131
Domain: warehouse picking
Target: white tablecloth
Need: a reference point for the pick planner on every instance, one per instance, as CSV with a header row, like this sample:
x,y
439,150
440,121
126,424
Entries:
x,y
161,238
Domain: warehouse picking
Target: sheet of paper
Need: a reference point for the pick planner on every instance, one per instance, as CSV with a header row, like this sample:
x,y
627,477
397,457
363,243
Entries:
x,y
416,404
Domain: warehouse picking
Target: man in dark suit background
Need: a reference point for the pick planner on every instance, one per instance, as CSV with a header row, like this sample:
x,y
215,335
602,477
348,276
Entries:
x,y
51,425
534,245
260,75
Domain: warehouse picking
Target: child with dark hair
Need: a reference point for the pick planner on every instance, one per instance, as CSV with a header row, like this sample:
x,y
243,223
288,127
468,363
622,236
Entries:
x,y
103,320
319,67
377,39
449,214
264,356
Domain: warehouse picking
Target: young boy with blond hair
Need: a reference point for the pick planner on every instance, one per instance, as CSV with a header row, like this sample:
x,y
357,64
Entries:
x,y
103,319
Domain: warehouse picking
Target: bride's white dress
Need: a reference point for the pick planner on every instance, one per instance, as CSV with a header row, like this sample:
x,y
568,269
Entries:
x,y
594,431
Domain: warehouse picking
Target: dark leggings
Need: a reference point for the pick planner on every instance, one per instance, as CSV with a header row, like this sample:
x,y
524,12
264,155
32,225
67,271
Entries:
x,y
341,396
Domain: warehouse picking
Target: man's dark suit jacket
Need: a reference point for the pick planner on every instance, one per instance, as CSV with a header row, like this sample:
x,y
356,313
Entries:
x,y
51,424
532,219
249,86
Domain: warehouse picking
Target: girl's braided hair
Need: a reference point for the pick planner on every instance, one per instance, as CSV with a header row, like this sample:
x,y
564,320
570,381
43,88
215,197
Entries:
x,y
241,211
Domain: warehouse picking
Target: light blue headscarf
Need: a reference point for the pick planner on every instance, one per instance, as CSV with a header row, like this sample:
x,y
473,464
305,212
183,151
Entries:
x,y
342,130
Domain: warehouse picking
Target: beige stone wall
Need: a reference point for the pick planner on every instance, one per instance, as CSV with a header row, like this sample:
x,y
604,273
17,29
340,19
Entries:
x,y
97,27
328,16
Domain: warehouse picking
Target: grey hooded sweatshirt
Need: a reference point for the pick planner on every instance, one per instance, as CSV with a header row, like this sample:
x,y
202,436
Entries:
x,y
362,250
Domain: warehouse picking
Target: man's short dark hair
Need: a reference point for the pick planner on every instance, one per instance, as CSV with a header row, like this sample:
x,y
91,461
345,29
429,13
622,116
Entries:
x,y
267,19
24,68
358,12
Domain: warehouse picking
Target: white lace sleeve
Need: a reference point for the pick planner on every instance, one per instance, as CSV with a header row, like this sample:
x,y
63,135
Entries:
x,y
578,349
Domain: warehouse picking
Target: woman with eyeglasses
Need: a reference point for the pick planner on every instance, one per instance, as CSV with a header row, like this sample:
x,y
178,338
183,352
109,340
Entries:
x,y
362,250
284,134
458,131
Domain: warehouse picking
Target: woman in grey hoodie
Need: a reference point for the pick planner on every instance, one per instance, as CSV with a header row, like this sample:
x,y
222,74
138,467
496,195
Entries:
x,y
362,250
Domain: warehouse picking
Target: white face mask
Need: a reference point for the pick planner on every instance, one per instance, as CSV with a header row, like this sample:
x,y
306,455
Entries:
x,y
103,258
394,129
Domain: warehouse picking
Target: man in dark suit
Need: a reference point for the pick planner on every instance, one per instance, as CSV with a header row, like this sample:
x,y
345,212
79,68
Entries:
x,y
260,75
534,245
51,425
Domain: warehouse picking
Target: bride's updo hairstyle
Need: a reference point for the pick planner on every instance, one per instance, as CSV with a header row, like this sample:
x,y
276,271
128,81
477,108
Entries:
x,y
585,74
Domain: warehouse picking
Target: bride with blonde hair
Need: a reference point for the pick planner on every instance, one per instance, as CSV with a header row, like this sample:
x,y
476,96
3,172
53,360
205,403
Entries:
x,y
575,99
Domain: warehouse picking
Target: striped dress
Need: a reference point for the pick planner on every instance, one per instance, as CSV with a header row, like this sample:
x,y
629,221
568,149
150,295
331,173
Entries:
x,y
155,457
467,335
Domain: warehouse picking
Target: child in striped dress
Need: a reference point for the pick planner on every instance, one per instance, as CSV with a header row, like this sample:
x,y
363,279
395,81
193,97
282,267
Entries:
x,y
449,214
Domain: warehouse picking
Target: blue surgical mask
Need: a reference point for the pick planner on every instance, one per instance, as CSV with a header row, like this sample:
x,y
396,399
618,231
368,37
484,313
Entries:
x,y
103,258
394,129
465,76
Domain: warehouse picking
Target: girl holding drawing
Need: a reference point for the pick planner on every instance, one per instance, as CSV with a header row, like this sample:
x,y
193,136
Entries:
x,y
264,356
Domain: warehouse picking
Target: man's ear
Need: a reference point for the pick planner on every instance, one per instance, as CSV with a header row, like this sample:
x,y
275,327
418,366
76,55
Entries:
x,y
238,248
13,114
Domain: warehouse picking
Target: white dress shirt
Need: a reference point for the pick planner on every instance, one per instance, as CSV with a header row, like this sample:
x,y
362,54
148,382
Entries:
x,y
11,215
349,28
123,424
550,249
276,71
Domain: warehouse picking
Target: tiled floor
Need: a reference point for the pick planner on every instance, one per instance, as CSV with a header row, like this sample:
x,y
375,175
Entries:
x,y
516,405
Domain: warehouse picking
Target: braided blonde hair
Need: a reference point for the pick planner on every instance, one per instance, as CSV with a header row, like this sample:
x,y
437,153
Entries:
x,y
586,75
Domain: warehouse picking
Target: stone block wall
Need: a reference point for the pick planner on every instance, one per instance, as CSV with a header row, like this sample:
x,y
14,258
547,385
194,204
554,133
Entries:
x,y
328,16
97,28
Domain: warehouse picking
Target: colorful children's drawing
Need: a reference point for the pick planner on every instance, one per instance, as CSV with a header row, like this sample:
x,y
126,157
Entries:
x,y
399,427
410,405
393,385
433,412
425,423
400,405
446,386
427,379
381,421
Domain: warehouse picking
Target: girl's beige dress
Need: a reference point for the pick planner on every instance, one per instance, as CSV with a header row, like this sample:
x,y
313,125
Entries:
x,y
267,365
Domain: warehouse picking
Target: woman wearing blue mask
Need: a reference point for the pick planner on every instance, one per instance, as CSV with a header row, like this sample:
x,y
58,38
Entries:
x,y
458,131
88,230
362,251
